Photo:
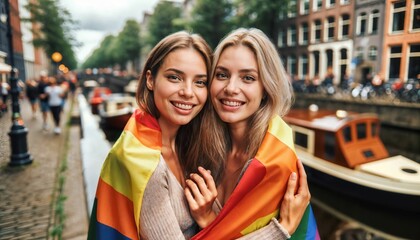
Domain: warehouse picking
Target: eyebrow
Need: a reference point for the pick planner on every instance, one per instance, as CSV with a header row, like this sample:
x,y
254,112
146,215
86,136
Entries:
x,y
182,73
245,70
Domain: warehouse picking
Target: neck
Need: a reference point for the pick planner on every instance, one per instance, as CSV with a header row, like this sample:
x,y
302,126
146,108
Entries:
x,y
239,138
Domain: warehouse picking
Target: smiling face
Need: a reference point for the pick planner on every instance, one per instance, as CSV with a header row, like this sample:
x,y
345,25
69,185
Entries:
x,y
236,90
179,87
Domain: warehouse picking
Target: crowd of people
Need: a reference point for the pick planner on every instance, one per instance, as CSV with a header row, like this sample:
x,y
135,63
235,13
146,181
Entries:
x,y
370,86
47,96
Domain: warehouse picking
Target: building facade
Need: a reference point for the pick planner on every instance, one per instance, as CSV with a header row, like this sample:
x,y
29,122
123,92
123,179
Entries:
x,y
401,46
368,38
316,39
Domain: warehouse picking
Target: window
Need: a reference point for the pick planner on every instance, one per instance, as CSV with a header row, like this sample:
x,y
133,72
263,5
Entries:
x,y
398,15
329,53
394,62
330,3
329,146
303,34
361,130
343,63
372,53
303,65
317,5
361,23
330,28
344,2
292,35
347,134
345,26
304,138
374,22
301,139
414,61
292,8
291,65
317,31
316,62
416,15
304,7
282,41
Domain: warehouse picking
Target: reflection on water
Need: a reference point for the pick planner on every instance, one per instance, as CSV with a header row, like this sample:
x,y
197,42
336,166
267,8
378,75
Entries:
x,y
341,217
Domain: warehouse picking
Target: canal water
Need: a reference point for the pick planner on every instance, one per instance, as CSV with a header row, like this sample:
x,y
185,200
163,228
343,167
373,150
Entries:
x,y
342,218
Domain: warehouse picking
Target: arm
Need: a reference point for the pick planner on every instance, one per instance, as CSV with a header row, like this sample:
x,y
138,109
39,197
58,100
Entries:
x,y
160,208
201,193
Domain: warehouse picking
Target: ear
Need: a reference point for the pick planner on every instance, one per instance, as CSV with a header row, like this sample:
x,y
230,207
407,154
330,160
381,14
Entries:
x,y
149,80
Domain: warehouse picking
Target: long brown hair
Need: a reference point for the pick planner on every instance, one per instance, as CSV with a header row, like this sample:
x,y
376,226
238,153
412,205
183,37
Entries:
x,y
187,146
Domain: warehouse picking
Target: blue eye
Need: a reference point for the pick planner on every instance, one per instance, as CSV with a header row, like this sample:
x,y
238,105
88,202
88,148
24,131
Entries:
x,y
174,77
249,78
221,75
201,82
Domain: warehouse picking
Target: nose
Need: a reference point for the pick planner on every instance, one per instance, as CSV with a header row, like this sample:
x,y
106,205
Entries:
x,y
232,86
187,89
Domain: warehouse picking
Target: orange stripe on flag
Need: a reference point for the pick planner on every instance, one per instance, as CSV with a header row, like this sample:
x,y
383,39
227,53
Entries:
x,y
115,210
136,126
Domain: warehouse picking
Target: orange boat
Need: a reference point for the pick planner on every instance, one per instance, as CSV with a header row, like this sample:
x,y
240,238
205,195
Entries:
x,y
97,97
342,151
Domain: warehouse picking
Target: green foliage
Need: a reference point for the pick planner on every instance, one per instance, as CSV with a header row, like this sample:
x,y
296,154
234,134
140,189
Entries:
x,y
212,19
264,15
164,21
53,29
117,49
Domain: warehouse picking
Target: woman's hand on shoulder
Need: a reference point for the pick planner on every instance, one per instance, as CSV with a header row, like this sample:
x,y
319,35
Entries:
x,y
294,205
201,193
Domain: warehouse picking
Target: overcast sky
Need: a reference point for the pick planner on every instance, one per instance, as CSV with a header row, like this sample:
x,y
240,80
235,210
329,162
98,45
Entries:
x,y
98,18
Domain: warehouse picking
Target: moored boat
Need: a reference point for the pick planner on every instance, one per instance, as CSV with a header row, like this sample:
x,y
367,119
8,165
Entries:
x,y
97,96
115,110
343,151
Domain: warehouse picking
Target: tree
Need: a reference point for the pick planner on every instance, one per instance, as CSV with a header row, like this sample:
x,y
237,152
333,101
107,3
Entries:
x,y
102,56
53,31
212,19
128,43
264,15
163,21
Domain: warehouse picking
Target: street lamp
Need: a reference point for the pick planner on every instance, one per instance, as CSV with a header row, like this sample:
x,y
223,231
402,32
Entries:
x,y
19,147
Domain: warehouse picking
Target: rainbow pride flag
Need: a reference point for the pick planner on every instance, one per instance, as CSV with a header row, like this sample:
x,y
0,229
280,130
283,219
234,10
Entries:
x,y
133,158
124,176
257,197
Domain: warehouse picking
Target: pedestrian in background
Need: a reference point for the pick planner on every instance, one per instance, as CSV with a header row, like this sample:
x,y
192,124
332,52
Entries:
x,y
55,101
5,88
43,98
32,95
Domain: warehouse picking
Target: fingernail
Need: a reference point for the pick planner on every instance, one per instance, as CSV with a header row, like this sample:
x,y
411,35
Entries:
x,y
294,176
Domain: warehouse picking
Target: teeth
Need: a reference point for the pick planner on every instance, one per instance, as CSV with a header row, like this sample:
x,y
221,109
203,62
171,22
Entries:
x,y
232,103
183,106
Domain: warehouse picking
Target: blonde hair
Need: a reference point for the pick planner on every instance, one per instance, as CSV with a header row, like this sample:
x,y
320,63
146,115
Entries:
x,y
278,94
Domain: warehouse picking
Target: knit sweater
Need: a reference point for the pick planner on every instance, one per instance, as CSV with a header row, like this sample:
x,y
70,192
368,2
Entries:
x,y
165,213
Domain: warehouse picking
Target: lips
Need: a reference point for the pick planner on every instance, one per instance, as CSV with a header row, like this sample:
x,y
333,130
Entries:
x,y
183,106
231,103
